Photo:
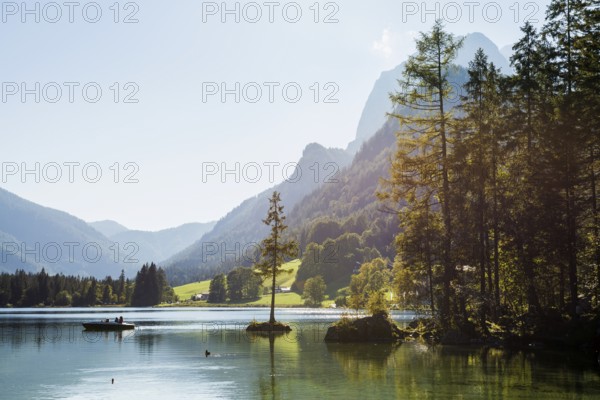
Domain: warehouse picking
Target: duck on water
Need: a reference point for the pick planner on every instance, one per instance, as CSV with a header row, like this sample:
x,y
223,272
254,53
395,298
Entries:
x,y
107,325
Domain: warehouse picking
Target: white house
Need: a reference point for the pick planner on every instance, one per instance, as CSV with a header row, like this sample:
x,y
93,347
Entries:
x,y
200,296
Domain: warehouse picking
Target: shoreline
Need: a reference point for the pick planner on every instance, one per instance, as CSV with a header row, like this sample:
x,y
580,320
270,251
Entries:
x,y
174,305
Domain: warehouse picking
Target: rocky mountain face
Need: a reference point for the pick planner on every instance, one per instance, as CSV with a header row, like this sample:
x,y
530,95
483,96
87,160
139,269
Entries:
x,y
378,104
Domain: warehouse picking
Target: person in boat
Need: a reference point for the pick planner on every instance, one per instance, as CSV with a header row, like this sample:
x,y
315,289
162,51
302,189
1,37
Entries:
x,y
121,319
117,320
106,320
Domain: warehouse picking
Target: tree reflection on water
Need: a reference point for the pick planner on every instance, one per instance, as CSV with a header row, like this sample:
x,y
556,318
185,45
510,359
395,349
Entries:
x,y
364,361
268,385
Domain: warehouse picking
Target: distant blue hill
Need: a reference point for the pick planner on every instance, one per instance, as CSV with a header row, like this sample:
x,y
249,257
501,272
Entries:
x,y
35,237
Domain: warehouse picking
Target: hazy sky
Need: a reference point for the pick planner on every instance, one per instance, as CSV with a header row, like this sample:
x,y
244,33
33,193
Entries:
x,y
161,105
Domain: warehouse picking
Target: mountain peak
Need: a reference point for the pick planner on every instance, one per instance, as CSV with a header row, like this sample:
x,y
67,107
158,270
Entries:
x,y
312,148
474,41
374,113
108,227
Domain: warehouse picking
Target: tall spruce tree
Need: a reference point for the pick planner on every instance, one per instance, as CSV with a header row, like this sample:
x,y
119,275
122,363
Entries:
x,y
475,165
586,80
150,285
275,249
564,27
525,129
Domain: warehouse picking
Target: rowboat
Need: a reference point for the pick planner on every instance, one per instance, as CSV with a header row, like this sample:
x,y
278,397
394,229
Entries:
x,y
108,326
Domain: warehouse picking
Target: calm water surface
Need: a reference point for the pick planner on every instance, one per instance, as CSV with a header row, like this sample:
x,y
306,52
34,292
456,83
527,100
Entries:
x,y
45,354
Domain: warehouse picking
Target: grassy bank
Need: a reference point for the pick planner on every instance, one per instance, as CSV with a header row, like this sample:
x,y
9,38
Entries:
x,y
185,292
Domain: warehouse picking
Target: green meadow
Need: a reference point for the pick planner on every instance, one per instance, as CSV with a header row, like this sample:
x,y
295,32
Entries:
x,y
286,279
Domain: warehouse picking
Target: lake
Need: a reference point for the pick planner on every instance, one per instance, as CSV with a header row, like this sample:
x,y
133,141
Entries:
x,y
45,354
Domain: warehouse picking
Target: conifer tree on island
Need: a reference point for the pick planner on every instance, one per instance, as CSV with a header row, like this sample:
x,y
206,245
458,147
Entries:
x,y
274,250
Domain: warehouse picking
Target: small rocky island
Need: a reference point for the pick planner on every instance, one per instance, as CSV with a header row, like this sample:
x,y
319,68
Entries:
x,y
378,328
267,327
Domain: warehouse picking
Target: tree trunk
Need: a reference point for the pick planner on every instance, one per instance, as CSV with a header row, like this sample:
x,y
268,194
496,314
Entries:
x,y
561,288
595,220
481,217
447,237
572,252
496,228
428,259
490,283
272,318
274,272
533,302
571,213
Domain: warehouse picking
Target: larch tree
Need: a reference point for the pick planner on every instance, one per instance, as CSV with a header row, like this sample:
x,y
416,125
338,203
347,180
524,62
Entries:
x,y
424,143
